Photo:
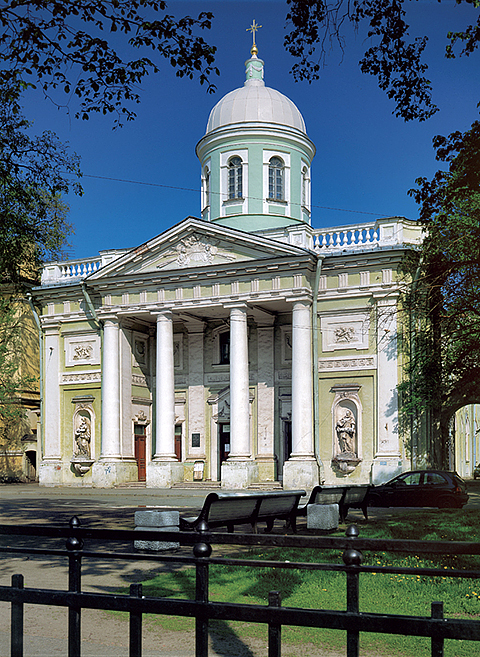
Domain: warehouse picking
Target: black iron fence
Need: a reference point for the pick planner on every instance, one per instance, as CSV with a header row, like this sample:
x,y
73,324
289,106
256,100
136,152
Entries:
x,y
352,620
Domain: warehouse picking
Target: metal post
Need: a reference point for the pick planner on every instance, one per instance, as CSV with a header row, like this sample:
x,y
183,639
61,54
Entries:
x,y
274,629
135,624
437,643
352,558
201,551
74,546
16,631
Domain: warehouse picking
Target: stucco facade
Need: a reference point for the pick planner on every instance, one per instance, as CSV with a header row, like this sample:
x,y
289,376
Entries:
x,y
245,347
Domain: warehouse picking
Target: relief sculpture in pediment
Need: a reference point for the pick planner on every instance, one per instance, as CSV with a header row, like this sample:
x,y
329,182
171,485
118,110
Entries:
x,y
195,250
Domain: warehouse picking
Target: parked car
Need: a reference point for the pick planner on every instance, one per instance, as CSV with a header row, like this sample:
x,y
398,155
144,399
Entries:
x,y
476,472
445,490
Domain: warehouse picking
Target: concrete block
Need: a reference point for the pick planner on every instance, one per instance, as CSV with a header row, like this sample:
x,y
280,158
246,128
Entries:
x,y
322,516
160,521
157,519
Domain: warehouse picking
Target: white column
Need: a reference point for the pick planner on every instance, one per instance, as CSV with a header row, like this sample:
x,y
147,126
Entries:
x,y
111,390
239,391
302,381
239,470
301,471
165,390
164,469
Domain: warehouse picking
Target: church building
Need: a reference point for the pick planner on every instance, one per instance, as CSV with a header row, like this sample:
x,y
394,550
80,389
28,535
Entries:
x,y
244,347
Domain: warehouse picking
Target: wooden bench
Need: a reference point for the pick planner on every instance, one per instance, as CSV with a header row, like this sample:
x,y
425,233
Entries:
x,y
346,497
356,497
229,509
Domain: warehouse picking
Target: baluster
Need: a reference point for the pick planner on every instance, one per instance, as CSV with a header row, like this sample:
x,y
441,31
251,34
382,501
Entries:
x,y
437,643
352,558
274,629
135,624
201,551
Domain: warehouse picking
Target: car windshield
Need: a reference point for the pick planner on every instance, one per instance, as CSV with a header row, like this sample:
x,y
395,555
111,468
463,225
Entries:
x,y
410,479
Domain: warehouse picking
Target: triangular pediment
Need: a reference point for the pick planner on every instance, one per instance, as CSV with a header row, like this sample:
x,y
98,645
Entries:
x,y
195,243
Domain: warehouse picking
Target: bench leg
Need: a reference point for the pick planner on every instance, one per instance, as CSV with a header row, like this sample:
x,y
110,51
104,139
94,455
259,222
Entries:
x,y
230,527
293,522
269,526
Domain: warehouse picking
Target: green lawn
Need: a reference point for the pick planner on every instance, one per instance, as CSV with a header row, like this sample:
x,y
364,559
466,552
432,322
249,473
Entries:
x,y
380,593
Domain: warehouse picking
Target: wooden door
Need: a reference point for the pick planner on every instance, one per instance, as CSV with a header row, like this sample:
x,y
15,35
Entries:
x,y
178,441
287,438
224,442
141,451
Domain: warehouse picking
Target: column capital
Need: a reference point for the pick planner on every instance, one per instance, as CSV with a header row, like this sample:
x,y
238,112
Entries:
x,y
305,301
233,305
161,315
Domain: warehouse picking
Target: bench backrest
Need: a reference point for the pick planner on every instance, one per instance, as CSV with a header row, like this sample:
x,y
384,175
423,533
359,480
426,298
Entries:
x,y
219,507
356,494
280,503
327,495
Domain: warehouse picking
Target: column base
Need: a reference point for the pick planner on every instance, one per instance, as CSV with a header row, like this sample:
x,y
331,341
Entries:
x,y
266,468
239,474
300,474
107,474
163,474
50,473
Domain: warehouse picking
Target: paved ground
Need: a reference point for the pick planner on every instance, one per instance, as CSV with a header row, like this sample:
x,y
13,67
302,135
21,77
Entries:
x,y
105,635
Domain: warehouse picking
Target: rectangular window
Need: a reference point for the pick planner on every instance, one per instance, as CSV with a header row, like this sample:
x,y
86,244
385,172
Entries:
x,y
224,340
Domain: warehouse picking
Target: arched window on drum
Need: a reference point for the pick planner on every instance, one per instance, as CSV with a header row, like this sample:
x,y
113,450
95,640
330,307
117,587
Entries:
x,y
276,179
235,178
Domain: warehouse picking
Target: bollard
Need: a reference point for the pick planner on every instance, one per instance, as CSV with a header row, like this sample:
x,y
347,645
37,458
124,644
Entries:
x,y
16,631
74,546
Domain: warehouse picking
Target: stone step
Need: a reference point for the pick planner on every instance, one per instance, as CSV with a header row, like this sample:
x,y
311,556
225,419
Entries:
x,y
266,486
132,484
197,484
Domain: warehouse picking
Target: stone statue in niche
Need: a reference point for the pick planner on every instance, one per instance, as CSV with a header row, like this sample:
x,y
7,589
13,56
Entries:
x,y
83,437
346,433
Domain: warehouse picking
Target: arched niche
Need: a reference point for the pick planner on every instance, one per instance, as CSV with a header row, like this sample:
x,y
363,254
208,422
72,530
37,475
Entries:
x,y
346,428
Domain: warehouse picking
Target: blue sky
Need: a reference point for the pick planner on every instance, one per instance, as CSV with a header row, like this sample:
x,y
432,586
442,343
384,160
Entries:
x,y
366,158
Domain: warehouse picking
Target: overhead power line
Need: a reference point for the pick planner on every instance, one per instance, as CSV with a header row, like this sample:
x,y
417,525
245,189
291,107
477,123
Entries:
x,y
189,189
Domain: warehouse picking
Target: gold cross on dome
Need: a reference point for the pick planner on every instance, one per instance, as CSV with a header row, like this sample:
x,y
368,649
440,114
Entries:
x,y
253,28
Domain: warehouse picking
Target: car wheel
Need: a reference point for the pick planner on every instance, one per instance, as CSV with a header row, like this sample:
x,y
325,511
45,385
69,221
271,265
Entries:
x,y
447,503
374,500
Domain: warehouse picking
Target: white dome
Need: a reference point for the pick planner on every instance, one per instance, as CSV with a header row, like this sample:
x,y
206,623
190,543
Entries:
x,y
254,102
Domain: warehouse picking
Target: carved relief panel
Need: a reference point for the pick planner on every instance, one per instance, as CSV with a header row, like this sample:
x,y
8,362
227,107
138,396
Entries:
x,y
345,332
82,350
